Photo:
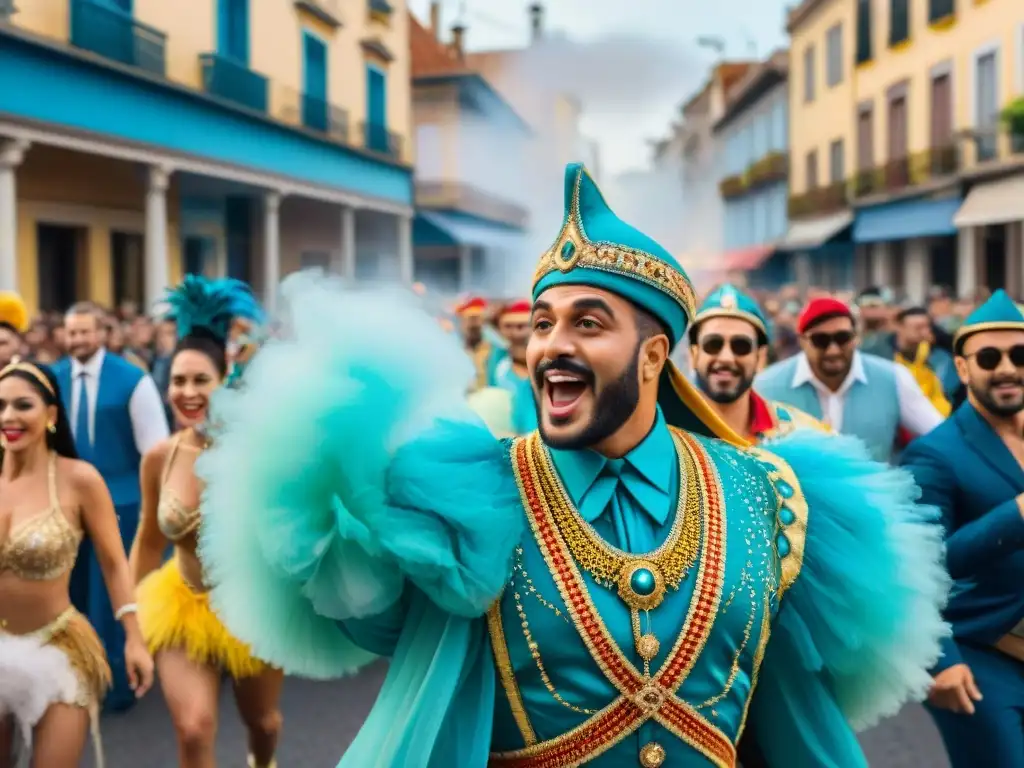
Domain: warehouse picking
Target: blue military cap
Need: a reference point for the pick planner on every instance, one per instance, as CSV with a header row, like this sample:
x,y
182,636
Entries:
x,y
595,247
598,249
999,313
729,301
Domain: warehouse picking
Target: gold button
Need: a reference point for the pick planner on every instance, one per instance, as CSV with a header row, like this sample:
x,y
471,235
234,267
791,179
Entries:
x,y
652,755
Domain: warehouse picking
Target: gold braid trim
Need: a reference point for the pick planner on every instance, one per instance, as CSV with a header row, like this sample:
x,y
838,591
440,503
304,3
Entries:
x,y
503,660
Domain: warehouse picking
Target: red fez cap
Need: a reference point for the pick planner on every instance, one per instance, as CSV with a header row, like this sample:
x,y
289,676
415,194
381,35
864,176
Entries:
x,y
472,306
823,308
521,307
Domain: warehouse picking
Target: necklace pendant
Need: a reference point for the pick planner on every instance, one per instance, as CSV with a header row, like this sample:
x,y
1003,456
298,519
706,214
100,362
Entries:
x,y
641,585
648,646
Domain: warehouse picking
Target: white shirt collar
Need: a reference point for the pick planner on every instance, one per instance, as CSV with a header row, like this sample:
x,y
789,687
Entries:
x,y
804,375
90,368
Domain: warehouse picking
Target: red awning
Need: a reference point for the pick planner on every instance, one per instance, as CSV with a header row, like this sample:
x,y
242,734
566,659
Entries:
x,y
746,259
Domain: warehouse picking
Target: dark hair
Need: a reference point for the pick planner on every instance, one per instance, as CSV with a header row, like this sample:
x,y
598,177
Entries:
x,y
61,440
208,343
903,314
648,326
8,327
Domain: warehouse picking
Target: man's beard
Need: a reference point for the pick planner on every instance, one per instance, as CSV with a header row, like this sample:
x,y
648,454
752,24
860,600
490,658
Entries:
x,y
725,397
612,408
988,401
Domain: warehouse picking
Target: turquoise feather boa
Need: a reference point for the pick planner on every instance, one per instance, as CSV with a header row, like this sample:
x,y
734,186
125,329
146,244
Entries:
x,y
333,487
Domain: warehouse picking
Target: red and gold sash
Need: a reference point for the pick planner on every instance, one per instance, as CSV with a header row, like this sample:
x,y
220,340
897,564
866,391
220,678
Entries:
x,y
640,699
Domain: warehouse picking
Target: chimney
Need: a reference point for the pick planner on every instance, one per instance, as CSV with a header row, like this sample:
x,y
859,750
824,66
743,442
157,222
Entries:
x,y
458,40
537,21
435,19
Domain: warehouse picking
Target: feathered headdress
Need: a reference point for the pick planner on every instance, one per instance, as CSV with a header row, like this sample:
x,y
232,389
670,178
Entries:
x,y
211,305
13,311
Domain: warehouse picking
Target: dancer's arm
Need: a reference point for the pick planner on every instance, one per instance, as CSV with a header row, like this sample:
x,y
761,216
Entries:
x,y
100,523
149,545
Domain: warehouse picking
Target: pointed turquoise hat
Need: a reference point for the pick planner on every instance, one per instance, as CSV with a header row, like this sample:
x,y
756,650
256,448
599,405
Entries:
x,y
999,313
729,301
596,248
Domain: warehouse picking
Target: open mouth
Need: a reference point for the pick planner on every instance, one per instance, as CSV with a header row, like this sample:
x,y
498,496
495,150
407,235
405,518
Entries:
x,y
564,392
723,376
12,435
192,411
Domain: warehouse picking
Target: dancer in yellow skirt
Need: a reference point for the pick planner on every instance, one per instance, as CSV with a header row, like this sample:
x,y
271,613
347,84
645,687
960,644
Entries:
x,y
53,670
192,648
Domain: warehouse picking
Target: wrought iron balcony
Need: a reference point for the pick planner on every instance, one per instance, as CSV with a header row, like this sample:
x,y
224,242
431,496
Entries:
x,y
820,201
732,186
230,80
458,196
991,147
769,169
113,34
908,172
377,138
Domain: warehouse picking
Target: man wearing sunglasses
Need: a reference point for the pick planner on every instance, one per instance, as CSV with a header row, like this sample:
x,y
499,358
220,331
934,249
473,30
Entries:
x,y
853,393
728,346
971,469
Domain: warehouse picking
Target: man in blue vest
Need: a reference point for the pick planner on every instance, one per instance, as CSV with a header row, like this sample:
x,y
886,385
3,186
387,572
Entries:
x,y
117,416
971,469
853,393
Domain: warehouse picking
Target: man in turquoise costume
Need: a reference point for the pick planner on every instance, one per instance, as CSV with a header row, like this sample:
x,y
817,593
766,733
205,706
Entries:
x,y
599,591
970,467
728,345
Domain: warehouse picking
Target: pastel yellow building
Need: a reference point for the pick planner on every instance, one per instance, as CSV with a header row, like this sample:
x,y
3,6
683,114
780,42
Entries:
x,y
932,78
139,142
821,101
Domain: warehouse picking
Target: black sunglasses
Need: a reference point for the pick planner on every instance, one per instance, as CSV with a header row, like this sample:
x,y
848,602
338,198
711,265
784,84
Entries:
x,y
989,358
714,343
823,341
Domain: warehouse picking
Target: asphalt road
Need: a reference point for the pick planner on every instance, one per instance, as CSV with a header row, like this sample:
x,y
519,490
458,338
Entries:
x,y
321,719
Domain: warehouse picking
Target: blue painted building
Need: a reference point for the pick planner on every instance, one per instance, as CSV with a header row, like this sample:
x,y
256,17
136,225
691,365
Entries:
x,y
753,139
138,153
473,169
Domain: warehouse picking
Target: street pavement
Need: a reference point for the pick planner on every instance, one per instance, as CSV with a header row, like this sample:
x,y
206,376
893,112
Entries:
x,y
321,719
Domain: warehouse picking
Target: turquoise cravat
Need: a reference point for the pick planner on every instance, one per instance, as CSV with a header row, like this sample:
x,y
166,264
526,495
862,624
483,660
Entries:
x,y
612,500
83,439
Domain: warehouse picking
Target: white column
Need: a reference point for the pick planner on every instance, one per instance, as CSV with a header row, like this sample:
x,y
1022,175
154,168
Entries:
x,y
967,262
916,275
11,155
271,248
465,268
347,262
406,266
1015,259
881,265
157,269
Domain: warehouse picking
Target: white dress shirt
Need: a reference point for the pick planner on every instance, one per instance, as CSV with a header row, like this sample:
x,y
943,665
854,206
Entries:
x,y
149,420
917,414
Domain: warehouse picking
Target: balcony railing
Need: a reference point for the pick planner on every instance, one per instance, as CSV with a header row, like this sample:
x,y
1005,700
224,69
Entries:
x,y
732,186
991,147
115,35
771,168
920,168
377,138
234,82
458,196
820,201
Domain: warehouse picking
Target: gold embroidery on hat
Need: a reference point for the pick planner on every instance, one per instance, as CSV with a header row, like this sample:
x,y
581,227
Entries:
x,y
573,249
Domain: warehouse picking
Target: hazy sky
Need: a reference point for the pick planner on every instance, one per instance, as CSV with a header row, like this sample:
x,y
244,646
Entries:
x,y
634,61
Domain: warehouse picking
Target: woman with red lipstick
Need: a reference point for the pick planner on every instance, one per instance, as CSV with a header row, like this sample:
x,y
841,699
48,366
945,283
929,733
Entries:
x,y
53,670
192,648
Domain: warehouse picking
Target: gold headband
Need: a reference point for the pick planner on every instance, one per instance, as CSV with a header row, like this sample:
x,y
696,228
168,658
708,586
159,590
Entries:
x,y
32,371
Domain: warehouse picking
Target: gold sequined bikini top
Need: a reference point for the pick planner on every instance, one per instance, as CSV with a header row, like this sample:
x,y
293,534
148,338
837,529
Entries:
x,y
176,520
45,546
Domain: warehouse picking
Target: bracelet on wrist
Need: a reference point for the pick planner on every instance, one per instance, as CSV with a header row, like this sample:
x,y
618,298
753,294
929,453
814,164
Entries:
x,y
125,609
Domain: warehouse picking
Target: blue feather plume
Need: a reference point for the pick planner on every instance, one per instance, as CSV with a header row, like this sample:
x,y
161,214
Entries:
x,y
198,302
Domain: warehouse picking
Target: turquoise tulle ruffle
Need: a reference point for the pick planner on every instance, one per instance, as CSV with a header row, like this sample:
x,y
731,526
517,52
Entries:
x,y
865,612
347,467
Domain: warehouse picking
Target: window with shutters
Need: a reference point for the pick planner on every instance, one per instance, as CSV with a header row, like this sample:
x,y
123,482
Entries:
x,y
836,161
812,170
834,56
809,81
899,21
863,31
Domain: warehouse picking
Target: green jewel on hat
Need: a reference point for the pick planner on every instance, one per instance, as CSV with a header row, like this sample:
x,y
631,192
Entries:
x,y
729,301
597,248
999,313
